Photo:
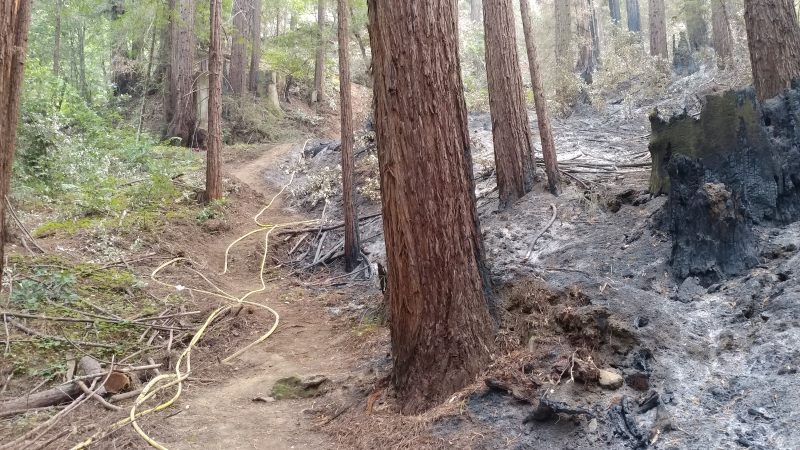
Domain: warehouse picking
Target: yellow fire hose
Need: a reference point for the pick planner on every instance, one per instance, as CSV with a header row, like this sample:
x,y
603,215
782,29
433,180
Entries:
x,y
180,374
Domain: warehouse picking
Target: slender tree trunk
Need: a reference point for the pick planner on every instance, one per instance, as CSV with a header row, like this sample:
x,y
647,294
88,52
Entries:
x,y
634,18
721,25
278,20
539,99
318,96
239,57
475,11
181,106
14,23
440,323
146,88
614,9
774,40
213,172
589,48
511,132
255,54
359,40
293,20
351,248
658,29
57,40
84,88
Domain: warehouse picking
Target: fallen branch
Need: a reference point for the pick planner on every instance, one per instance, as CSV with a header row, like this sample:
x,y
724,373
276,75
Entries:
x,y
547,227
21,226
134,323
327,228
56,338
97,397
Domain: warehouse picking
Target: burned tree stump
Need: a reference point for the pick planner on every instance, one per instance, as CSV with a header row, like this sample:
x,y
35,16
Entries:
x,y
735,166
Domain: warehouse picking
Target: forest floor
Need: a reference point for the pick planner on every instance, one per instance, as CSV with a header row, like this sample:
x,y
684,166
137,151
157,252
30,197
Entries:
x,y
683,365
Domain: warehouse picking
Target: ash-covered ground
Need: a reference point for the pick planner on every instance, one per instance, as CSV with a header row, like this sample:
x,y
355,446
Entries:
x,y
702,366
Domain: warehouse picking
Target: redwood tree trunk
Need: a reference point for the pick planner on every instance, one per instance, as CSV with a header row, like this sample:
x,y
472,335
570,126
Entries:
x,y
513,153
614,9
14,22
539,99
318,96
239,57
351,248
634,17
180,105
213,173
721,29
589,48
774,40
440,324
563,20
57,40
255,39
658,29
475,11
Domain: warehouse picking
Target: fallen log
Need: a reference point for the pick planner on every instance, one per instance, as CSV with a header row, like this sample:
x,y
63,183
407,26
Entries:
x,y
68,392
55,396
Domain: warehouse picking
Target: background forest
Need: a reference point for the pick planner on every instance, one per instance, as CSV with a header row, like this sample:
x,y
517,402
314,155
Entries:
x,y
189,174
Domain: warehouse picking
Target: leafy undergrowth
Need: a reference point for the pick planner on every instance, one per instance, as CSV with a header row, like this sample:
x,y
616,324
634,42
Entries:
x,y
61,308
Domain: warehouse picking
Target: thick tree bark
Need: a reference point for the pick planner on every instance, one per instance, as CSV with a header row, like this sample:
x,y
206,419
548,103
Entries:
x,y
721,28
658,29
774,40
513,153
475,11
440,323
180,105
255,39
239,57
634,17
14,22
540,101
213,172
318,95
57,39
615,11
351,248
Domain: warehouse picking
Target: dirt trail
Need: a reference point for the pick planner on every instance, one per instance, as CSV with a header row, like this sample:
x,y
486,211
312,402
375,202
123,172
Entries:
x,y
223,414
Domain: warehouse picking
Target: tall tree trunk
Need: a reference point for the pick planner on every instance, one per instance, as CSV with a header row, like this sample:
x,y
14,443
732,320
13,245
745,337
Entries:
x,y
774,40
614,10
696,26
589,48
539,99
634,18
351,248
57,39
255,39
84,88
563,20
14,22
239,57
513,153
440,324
293,21
318,95
475,11
658,29
180,105
213,172
721,25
